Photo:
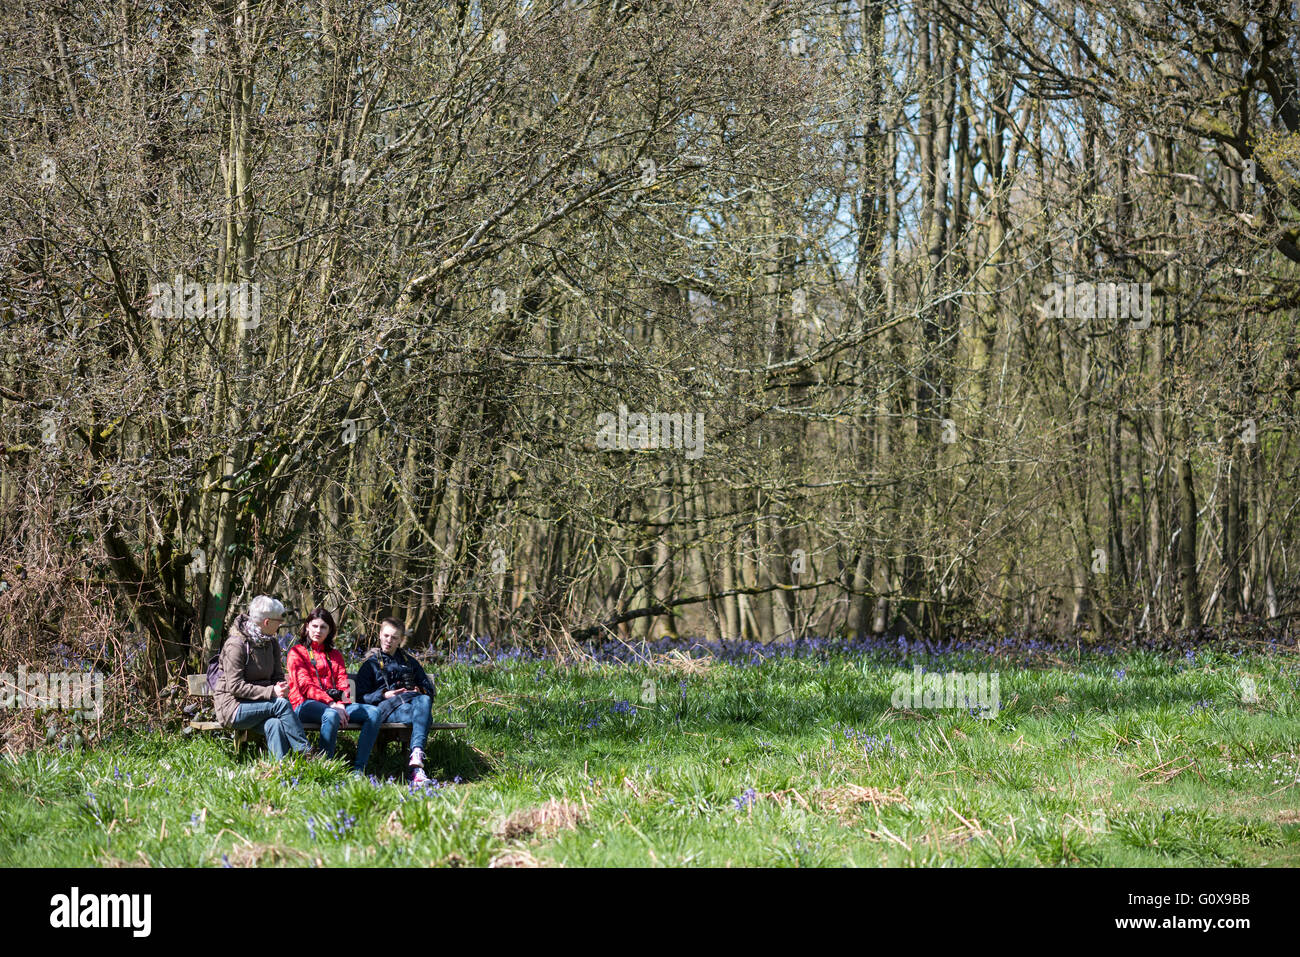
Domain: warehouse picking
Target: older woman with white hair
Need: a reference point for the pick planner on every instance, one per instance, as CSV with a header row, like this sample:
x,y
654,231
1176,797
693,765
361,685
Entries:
x,y
251,692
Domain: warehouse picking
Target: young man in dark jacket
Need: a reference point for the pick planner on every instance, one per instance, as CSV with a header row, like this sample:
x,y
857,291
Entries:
x,y
393,681
251,694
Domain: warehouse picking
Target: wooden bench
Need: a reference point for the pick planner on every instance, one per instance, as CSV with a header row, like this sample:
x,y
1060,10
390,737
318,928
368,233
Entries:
x,y
388,731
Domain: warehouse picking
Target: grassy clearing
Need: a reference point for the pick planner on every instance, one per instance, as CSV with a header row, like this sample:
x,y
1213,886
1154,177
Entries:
x,y
1132,760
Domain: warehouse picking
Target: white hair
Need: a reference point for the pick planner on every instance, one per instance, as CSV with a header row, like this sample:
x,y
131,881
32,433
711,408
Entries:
x,y
263,607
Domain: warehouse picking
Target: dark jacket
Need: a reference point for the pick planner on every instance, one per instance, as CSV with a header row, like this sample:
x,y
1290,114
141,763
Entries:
x,y
380,672
250,669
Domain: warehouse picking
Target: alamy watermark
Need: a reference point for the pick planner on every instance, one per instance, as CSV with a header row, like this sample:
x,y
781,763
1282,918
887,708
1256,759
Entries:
x,y
1249,694
76,910
1099,300
954,691
60,690
651,430
180,299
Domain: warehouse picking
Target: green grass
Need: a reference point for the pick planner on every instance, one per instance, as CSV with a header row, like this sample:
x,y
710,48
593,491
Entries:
x,y
1165,766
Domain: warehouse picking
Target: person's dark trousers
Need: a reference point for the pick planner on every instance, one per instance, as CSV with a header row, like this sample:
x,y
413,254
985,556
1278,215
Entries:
x,y
418,712
276,722
364,714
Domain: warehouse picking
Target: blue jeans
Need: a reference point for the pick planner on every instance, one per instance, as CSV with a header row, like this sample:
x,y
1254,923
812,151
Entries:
x,y
367,715
276,722
419,712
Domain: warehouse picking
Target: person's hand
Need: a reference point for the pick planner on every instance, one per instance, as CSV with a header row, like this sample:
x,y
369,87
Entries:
x,y
389,694
281,689
343,713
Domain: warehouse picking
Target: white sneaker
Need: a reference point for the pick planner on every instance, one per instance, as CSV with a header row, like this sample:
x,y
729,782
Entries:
x,y
417,758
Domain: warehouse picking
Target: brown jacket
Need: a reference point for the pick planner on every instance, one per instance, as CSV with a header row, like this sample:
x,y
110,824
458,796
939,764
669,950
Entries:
x,y
248,672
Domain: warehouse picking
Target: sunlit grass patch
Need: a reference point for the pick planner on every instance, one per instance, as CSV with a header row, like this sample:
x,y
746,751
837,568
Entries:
x,y
1127,761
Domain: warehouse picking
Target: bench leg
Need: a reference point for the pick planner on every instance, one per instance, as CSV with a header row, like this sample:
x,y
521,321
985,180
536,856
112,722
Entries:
x,y
386,737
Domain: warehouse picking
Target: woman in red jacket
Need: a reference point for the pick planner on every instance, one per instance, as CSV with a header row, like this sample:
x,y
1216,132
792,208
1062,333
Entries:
x,y
318,688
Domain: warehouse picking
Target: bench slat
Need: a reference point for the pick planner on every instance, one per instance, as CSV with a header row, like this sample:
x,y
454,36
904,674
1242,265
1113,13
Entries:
x,y
198,686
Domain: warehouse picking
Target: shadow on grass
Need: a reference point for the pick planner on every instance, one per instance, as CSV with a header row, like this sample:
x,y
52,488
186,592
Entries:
x,y
458,757
445,758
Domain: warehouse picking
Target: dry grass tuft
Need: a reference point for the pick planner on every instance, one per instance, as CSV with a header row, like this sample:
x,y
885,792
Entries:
x,y
514,858
543,821
848,798
265,855
679,663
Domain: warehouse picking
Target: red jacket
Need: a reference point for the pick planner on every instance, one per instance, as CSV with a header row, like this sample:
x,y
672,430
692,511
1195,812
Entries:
x,y
308,679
